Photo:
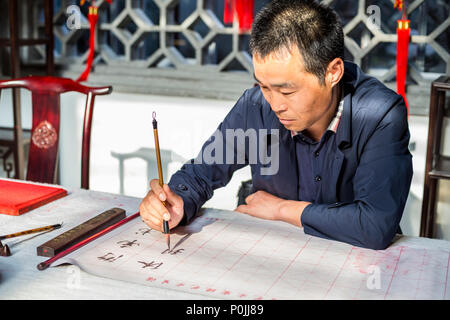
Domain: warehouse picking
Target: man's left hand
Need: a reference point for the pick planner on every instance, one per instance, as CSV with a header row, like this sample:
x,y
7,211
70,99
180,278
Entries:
x,y
264,205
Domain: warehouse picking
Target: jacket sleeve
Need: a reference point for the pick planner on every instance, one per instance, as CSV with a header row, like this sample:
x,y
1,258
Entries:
x,y
197,179
381,186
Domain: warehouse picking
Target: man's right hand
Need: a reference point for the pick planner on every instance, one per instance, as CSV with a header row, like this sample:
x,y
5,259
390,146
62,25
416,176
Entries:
x,y
153,211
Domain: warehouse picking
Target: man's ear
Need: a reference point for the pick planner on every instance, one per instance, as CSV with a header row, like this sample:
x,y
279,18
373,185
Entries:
x,y
335,71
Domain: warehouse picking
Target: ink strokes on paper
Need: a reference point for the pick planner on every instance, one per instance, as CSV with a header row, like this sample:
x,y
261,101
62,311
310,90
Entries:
x,y
127,243
226,255
152,264
111,257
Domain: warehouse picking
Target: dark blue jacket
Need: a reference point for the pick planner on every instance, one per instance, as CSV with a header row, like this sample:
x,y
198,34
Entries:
x,y
368,169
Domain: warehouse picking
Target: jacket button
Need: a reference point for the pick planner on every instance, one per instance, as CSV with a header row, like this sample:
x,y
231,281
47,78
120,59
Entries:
x,y
318,178
316,154
182,187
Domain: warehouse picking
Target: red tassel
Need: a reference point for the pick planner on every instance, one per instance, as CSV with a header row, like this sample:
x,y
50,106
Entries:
x,y
243,9
228,12
398,4
93,18
403,32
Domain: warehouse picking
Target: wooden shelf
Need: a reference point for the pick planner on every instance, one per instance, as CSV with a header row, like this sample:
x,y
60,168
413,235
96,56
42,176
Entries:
x,y
437,166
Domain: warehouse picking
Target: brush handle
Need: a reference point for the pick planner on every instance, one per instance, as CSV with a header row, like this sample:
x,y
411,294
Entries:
x,y
166,229
22,233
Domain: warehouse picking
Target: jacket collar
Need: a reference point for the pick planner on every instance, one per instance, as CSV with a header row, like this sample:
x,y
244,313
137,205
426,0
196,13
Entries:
x,y
349,80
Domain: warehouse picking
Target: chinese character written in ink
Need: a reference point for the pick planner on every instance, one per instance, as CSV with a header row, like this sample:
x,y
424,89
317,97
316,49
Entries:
x,y
110,257
126,243
143,231
172,252
152,265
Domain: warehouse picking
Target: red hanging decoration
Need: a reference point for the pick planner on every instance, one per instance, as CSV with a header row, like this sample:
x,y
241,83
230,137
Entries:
x,y
403,32
228,11
93,18
240,9
398,4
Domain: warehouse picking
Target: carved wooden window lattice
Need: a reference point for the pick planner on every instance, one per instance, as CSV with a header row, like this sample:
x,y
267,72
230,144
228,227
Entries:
x,y
187,38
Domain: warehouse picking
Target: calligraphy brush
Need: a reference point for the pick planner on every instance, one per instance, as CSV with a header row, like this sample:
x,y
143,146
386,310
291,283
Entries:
x,y
4,249
22,233
166,230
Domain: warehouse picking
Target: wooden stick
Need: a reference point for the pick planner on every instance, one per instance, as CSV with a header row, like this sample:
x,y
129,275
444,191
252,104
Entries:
x,y
44,265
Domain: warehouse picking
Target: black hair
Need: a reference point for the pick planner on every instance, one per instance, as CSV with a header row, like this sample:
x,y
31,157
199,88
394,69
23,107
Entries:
x,y
315,28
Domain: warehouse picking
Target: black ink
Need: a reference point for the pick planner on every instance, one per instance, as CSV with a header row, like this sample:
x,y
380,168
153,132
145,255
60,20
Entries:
x,y
182,240
126,243
143,231
110,257
172,252
152,265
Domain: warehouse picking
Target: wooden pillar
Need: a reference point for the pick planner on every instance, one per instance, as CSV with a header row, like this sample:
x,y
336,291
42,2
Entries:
x,y
15,73
48,12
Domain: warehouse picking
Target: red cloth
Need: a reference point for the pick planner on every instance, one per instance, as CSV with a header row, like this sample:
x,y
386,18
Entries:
x,y
17,198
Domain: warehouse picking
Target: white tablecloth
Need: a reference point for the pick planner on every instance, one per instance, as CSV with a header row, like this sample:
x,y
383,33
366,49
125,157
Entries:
x,y
411,268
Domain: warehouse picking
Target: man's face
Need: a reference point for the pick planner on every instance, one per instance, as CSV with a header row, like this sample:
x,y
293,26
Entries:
x,y
296,96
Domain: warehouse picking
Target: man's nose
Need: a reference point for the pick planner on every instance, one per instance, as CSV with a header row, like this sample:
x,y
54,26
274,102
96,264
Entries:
x,y
278,104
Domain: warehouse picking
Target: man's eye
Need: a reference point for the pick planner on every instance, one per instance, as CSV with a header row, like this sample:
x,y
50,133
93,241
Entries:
x,y
287,93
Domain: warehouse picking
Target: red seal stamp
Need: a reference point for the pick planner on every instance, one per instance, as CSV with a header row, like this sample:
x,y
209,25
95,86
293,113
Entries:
x,y
44,136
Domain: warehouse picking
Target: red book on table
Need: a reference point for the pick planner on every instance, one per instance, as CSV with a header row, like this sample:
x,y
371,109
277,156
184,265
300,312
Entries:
x,y
17,198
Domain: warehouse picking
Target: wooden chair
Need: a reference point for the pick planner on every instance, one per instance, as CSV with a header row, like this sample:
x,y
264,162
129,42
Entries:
x,y
437,165
16,138
45,94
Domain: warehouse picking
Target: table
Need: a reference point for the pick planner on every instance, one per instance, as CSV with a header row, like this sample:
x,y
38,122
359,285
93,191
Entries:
x,y
19,277
328,269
